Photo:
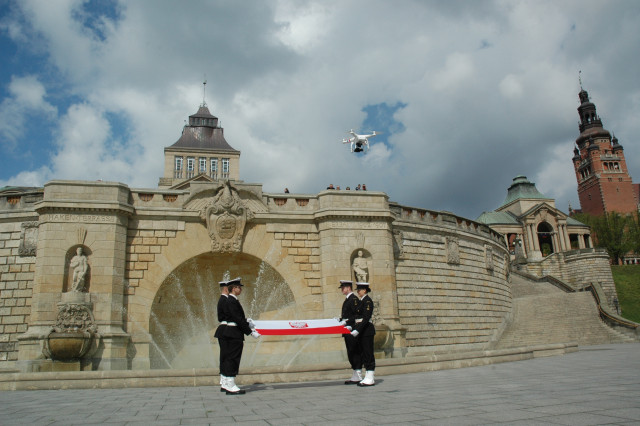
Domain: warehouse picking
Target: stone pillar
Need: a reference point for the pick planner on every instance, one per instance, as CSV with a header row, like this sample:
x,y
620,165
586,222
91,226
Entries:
x,y
556,243
561,238
536,243
530,245
581,241
368,230
92,216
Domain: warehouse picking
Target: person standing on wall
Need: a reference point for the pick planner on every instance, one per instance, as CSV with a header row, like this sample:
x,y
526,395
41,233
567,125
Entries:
x,y
222,320
364,332
237,327
348,319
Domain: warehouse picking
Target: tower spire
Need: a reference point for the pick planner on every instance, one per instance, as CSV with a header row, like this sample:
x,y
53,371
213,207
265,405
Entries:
x,y
580,79
204,91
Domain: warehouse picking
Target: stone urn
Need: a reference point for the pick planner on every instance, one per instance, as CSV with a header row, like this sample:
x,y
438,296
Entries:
x,y
69,345
75,330
383,337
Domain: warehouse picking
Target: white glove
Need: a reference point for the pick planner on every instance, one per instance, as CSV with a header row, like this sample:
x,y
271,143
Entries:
x,y
349,328
336,318
251,324
255,334
343,322
355,333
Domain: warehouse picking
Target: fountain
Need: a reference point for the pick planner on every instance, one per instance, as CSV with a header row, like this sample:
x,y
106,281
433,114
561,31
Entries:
x,y
74,336
183,315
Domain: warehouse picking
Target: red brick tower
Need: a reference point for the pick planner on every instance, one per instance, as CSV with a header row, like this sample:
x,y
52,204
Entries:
x,y
604,184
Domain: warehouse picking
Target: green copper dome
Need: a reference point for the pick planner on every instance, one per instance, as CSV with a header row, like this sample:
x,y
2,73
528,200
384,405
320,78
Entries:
x,y
522,188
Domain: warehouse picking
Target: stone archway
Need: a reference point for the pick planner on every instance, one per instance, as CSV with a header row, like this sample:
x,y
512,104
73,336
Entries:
x,y
545,238
183,315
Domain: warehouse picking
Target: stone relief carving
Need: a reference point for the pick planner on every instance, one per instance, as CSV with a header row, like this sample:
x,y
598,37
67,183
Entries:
x,y
377,317
28,239
488,256
80,267
74,317
453,251
361,268
226,217
398,244
543,215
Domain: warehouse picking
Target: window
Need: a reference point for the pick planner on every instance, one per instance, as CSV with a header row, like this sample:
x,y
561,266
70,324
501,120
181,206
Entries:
x,y
177,172
225,168
213,172
191,163
202,165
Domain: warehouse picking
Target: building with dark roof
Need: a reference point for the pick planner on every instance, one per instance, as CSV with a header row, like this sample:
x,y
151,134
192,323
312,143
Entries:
x,y
201,154
530,222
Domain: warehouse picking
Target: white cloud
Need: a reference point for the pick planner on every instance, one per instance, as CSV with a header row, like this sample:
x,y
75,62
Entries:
x,y
510,87
556,177
31,178
490,89
26,100
458,69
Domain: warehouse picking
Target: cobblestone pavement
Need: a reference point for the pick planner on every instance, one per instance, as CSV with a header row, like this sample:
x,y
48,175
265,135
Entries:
x,y
597,385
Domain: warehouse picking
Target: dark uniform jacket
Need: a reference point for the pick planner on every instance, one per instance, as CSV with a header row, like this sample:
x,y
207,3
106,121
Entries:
x,y
235,314
364,311
349,307
222,315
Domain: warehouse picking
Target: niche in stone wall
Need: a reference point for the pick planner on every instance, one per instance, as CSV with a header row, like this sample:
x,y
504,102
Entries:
x,y
360,262
73,265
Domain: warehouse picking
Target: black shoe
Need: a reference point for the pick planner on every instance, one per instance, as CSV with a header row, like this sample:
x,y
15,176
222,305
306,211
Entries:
x,y
223,390
240,392
351,382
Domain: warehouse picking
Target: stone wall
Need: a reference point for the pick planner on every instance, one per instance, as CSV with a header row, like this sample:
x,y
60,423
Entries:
x,y
578,268
451,276
439,281
16,285
18,238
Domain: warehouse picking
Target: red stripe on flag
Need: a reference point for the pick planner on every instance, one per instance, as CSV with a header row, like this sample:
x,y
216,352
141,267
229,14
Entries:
x,y
339,329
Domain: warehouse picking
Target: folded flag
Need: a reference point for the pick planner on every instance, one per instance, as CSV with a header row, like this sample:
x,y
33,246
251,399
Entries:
x,y
296,327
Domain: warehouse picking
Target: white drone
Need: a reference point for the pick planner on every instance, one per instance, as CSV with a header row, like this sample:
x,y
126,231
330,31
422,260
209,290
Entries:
x,y
359,141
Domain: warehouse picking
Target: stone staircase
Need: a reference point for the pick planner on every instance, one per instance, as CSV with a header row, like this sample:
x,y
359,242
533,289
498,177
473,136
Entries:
x,y
544,314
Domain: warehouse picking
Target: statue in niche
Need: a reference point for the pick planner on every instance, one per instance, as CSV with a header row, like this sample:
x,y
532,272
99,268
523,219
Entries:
x,y
361,268
80,267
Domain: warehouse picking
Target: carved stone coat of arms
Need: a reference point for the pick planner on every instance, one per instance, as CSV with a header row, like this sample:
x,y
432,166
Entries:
x,y
226,217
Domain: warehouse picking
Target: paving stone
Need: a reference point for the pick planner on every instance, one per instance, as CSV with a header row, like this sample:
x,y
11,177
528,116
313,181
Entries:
x,y
599,385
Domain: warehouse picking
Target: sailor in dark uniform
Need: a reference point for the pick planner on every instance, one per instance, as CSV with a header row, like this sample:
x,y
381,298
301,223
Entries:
x,y
237,327
364,332
348,319
222,320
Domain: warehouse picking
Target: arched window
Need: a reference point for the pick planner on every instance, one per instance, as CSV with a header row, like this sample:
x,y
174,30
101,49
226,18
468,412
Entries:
x,y
545,238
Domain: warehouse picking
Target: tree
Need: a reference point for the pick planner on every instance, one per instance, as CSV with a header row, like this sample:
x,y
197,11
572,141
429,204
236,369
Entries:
x,y
614,232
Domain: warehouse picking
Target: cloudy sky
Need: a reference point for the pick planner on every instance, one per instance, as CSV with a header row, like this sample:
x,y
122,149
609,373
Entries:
x,y
469,94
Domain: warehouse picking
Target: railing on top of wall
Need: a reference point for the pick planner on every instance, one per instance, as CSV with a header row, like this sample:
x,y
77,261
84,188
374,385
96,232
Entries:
x,y
416,215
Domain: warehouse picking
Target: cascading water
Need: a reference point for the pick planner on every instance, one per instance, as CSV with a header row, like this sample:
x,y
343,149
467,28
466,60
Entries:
x,y
184,313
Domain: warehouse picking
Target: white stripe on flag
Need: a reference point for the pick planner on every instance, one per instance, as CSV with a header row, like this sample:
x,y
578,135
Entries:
x,y
298,327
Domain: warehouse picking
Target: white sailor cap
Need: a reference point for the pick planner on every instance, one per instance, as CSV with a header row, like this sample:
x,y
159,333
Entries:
x,y
345,283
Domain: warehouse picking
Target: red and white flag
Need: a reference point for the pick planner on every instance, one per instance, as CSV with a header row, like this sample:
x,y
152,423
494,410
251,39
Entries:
x,y
297,327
